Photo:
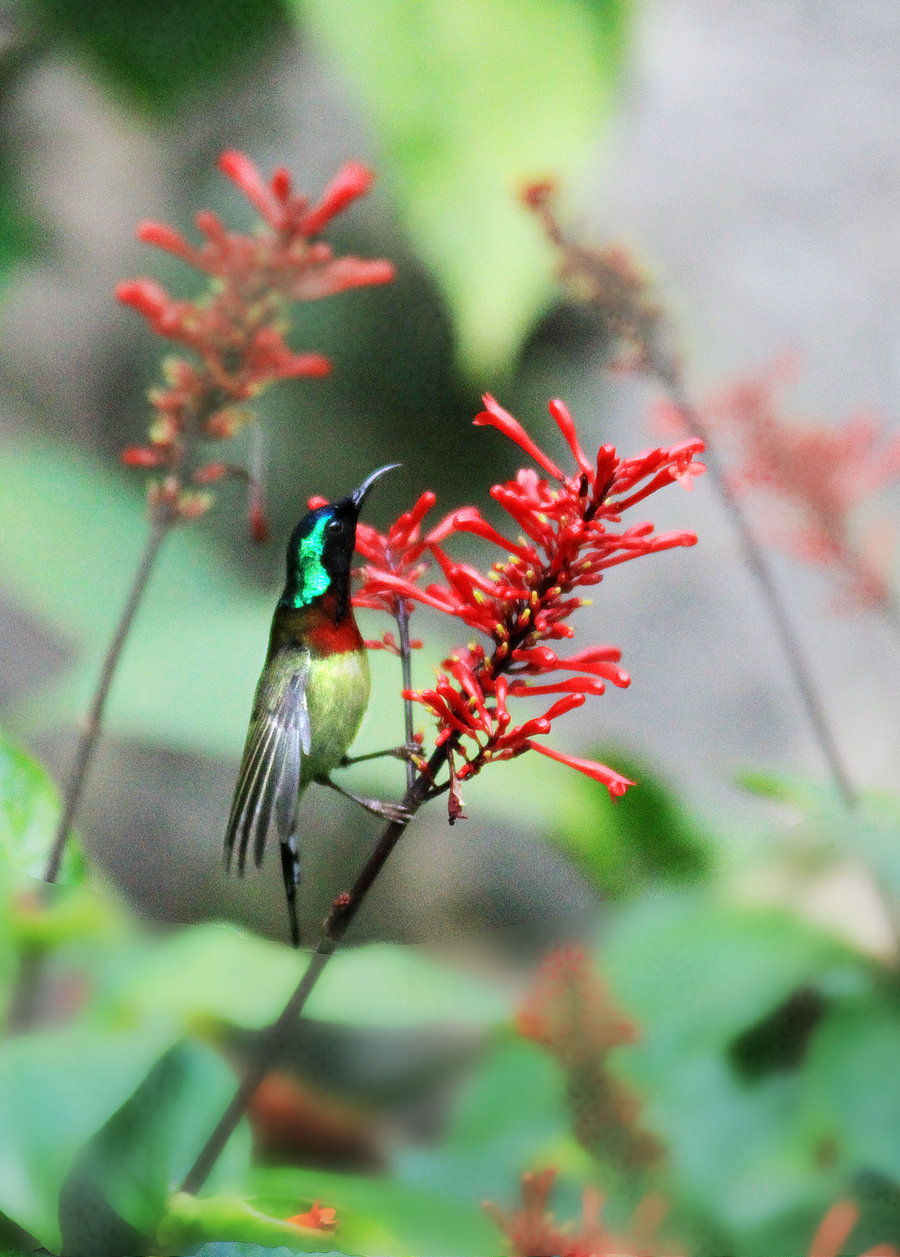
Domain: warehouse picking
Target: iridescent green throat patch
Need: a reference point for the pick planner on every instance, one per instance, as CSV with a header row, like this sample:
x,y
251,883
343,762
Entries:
x,y
312,577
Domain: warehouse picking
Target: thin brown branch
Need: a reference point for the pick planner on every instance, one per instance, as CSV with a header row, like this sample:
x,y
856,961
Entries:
x,y
755,560
406,666
342,914
160,523
608,282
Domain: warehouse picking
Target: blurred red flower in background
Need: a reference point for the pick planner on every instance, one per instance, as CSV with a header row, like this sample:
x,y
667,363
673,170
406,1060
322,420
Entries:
x,y
235,330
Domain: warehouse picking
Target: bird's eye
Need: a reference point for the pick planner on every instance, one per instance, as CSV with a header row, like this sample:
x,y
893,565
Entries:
x,y
335,526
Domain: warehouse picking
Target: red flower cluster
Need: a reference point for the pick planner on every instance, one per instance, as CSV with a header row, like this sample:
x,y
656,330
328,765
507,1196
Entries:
x,y
533,1231
569,1010
236,330
820,474
525,600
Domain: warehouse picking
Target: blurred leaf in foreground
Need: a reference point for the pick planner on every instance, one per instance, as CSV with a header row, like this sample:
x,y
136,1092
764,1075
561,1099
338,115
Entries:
x,y
468,103
127,1171
190,1221
869,832
56,1090
216,971
29,811
731,1001
381,1215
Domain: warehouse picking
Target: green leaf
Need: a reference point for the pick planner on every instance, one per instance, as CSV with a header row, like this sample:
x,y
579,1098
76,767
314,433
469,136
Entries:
x,y
511,1116
158,56
386,985
380,1215
852,1064
701,978
638,842
20,237
29,813
468,103
190,1221
870,831
695,972
131,1166
218,972
56,1090
14,1240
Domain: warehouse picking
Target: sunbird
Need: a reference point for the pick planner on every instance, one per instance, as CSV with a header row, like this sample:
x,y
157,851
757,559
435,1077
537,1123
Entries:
x,y
311,695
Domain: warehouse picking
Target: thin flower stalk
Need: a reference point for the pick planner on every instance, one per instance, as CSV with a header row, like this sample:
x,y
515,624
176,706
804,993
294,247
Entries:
x,y
234,332
622,295
234,338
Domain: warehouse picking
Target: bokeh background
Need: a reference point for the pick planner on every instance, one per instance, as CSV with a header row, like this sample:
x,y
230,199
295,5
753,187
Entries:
x,y
748,154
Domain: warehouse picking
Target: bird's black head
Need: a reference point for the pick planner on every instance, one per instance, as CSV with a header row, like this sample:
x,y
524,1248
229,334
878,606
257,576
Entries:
x,y
320,551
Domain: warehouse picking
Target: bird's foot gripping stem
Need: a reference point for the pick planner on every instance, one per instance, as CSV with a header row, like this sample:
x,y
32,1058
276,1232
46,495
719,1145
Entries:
x,y
410,751
387,811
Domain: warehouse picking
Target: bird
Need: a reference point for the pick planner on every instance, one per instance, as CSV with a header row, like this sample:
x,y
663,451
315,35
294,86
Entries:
x,y
311,695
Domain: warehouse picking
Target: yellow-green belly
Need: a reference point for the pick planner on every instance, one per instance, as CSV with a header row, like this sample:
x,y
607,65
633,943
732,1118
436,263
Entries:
x,y
337,694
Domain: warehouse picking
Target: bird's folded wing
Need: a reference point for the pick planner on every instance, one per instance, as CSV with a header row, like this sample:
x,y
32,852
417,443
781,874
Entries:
x,y
269,778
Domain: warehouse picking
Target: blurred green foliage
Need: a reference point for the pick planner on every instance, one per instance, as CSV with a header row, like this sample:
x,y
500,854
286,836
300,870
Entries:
x,y
19,233
29,810
158,56
468,103
643,841
125,1172
764,1049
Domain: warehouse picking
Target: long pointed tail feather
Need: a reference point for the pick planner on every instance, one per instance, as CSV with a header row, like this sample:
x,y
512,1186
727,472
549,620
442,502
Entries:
x,y
290,871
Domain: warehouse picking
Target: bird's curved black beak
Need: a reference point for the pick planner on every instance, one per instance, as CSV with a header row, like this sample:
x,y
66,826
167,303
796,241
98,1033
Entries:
x,y
358,495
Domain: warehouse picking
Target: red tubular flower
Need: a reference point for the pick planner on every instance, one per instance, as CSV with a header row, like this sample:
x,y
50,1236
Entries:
x,y
394,559
351,182
141,456
235,332
525,600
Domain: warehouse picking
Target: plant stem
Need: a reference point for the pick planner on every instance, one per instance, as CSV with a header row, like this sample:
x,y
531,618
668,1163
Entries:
x,y
755,560
406,666
335,926
643,322
343,911
160,524
668,376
